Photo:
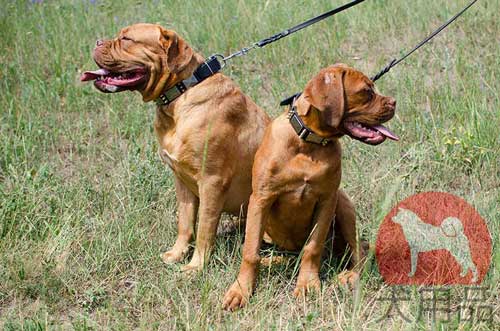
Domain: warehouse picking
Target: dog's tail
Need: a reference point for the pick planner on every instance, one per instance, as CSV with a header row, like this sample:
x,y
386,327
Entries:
x,y
452,227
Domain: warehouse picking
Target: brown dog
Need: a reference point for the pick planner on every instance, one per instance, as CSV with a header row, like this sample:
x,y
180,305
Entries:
x,y
208,135
295,181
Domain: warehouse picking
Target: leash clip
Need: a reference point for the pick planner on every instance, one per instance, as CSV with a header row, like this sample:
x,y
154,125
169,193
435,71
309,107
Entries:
x,y
241,52
223,60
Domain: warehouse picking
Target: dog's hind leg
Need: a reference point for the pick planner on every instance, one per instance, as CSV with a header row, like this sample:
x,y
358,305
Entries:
x,y
464,259
465,271
345,220
414,259
469,265
464,267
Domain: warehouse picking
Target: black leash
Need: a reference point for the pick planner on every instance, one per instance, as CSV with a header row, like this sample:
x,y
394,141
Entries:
x,y
212,65
394,62
285,33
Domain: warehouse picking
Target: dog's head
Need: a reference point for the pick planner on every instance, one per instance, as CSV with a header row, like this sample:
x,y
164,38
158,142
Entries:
x,y
404,216
452,227
143,57
348,104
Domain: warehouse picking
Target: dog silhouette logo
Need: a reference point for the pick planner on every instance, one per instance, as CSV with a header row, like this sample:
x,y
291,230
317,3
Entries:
x,y
433,238
423,237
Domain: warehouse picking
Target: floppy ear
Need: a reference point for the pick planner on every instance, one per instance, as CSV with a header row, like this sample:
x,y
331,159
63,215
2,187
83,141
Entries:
x,y
325,92
179,54
451,226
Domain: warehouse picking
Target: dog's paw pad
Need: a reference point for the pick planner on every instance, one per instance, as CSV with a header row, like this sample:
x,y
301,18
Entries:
x,y
306,288
348,278
172,256
192,268
233,300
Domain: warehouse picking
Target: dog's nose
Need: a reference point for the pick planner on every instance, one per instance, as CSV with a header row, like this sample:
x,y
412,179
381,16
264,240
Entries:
x,y
99,42
391,102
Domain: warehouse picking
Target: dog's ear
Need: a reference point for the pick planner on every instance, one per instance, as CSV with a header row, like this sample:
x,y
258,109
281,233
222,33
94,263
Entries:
x,y
325,92
179,53
451,227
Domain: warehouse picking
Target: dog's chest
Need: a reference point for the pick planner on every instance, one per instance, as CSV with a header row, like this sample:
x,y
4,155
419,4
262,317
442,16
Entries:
x,y
168,158
180,159
171,150
309,174
308,180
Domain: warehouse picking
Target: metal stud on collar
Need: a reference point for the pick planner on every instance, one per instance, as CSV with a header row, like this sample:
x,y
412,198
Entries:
x,y
164,99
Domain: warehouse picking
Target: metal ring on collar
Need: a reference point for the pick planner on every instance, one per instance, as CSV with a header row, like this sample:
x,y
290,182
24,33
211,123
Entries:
x,y
223,62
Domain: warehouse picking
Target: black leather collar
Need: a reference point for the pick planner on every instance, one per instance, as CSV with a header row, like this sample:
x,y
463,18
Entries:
x,y
208,68
298,125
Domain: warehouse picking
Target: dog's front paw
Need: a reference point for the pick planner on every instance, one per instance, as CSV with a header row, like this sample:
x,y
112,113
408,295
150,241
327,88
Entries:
x,y
269,261
174,255
236,297
348,278
303,288
192,268
195,265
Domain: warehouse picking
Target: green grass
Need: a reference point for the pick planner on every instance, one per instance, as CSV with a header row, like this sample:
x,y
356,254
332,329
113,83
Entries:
x,y
86,206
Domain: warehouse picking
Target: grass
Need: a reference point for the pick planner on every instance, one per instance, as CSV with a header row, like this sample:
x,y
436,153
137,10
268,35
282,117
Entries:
x,y
86,206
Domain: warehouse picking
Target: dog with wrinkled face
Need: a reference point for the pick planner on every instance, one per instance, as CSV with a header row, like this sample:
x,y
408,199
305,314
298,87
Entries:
x,y
208,136
296,183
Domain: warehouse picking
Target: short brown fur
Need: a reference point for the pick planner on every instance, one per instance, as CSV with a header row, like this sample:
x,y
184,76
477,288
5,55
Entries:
x,y
296,184
208,136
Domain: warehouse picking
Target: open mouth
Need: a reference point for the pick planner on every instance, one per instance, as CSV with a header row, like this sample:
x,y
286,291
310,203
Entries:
x,y
111,82
372,135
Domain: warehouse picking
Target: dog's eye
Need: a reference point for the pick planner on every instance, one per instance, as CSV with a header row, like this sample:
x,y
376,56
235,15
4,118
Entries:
x,y
125,38
369,94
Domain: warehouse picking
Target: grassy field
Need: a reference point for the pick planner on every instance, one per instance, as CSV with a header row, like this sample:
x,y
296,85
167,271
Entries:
x,y
86,206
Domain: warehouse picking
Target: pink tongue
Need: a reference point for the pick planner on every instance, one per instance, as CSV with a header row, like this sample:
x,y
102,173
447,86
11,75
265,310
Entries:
x,y
386,132
92,75
123,81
